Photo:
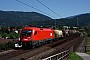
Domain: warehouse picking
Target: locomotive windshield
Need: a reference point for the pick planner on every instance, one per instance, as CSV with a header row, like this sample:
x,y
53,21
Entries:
x,y
26,32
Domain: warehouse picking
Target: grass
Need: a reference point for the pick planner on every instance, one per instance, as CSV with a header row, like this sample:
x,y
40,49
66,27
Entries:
x,y
88,43
88,40
74,56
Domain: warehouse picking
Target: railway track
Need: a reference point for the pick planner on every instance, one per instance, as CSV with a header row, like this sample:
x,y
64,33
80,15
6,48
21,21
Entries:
x,y
64,47
12,54
25,54
58,49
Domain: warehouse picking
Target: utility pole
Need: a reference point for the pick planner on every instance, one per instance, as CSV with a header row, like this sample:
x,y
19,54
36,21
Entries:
x,y
77,23
55,23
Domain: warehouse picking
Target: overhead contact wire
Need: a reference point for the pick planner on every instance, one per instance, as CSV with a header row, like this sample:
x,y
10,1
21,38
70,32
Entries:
x,y
33,7
48,8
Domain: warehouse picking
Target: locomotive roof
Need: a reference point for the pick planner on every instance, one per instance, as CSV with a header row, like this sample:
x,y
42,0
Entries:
x,y
36,28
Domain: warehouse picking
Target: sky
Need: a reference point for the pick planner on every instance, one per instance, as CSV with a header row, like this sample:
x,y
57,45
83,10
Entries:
x,y
64,8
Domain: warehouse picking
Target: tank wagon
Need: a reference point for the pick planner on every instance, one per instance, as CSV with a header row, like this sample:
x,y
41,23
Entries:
x,y
58,33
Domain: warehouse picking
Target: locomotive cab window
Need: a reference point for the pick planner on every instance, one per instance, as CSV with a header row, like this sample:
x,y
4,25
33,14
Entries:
x,y
35,33
26,32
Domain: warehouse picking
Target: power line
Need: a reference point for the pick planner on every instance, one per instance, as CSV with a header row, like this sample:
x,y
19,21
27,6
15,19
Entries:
x,y
48,8
33,7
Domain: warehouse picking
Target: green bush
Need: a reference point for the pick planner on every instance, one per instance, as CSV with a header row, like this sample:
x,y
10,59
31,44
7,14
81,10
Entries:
x,y
11,35
4,35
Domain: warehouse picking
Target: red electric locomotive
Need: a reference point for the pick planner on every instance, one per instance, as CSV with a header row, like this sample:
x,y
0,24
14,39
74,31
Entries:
x,y
31,36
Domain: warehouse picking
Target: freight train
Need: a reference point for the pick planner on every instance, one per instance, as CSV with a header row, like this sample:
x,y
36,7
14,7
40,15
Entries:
x,y
34,36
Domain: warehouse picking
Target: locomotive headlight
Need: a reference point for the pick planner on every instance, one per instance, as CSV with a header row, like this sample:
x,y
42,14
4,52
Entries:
x,y
25,39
